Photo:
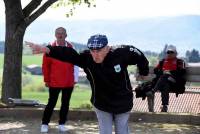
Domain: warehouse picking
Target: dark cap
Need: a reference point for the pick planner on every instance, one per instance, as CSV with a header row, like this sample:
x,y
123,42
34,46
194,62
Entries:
x,y
97,41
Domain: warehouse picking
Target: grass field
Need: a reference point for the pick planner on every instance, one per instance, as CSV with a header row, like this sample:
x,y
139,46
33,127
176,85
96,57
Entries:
x,y
30,59
80,97
1,60
33,86
26,60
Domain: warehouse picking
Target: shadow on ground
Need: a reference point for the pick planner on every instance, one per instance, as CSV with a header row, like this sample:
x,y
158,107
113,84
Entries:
x,y
32,126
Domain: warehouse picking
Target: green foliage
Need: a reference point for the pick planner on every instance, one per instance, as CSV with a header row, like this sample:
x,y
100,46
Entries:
x,y
85,106
193,56
163,53
33,83
132,69
73,4
26,79
39,87
33,88
153,60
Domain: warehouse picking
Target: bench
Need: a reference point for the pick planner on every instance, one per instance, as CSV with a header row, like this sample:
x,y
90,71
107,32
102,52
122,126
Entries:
x,y
24,102
192,76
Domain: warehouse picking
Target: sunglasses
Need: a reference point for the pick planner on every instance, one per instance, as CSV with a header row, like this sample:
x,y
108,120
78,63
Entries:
x,y
170,52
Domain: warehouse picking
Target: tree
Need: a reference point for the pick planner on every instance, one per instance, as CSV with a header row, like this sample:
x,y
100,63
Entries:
x,y
187,55
17,21
163,53
193,56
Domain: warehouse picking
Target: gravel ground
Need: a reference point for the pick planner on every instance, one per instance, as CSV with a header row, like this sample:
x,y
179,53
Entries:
x,y
32,126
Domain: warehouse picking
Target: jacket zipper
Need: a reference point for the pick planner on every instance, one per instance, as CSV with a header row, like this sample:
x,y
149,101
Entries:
x,y
126,82
93,84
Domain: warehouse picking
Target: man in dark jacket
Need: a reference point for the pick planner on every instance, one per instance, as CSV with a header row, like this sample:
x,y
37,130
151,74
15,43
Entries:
x,y
170,73
106,70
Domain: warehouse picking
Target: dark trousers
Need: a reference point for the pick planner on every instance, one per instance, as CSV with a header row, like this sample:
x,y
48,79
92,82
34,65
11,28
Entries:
x,y
163,85
53,97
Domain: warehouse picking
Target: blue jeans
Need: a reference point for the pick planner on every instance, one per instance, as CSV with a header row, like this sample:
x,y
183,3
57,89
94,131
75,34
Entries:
x,y
106,120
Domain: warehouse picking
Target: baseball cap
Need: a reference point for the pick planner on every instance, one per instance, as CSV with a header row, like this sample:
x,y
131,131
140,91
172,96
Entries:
x,y
171,48
97,41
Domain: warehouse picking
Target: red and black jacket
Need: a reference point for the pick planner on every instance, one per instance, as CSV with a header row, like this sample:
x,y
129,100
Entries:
x,y
58,73
177,70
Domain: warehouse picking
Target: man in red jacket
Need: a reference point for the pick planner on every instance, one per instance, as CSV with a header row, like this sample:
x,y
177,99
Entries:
x,y
59,77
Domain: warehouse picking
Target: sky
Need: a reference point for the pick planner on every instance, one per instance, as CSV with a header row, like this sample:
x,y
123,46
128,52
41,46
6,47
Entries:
x,y
122,9
116,10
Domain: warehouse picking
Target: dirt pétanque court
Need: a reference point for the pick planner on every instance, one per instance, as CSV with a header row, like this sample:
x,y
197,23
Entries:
x,y
32,126
28,121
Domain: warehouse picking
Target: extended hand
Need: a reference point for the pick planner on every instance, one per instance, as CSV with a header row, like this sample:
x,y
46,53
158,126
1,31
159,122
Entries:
x,y
36,49
47,84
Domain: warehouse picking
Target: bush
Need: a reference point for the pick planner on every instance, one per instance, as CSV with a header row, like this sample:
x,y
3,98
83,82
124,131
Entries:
x,y
26,79
39,87
86,106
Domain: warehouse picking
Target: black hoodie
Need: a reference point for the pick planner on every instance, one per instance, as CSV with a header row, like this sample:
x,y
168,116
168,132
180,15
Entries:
x,y
109,80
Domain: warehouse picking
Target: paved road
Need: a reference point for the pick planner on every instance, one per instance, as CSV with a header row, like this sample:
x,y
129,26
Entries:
x,y
26,126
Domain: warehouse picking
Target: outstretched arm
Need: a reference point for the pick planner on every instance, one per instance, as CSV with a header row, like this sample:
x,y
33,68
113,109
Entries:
x,y
65,54
36,48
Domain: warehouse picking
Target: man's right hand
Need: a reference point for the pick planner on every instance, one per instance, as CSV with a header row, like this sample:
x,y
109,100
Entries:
x,y
37,49
47,84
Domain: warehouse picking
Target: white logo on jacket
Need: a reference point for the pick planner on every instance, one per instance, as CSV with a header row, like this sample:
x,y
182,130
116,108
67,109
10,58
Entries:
x,y
117,68
134,50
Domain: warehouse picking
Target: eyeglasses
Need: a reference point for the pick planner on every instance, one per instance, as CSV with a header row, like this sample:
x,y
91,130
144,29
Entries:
x,y
170,52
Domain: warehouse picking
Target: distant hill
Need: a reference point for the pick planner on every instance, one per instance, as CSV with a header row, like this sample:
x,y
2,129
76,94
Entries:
x,y
77,46
1,46
147,34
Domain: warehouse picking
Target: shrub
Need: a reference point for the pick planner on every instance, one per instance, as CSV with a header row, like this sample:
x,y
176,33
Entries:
x,y
86,106
39,87
26,79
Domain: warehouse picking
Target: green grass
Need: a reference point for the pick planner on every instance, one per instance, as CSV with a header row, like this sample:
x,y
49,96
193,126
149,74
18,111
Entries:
x,y
32,59
80,97
1,60
26,59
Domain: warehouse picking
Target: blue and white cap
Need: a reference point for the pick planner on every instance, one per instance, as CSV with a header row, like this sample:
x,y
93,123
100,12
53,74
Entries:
x,y
97,41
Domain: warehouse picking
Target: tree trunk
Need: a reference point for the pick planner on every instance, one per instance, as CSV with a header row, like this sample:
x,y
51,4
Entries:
x,y
17,20
11,83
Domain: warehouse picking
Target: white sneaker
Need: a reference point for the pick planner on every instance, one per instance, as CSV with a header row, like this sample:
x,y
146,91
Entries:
x,y
62,128
44,128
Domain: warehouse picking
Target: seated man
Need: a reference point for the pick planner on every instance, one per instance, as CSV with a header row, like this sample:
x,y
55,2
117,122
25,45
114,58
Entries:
x,y
169,78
